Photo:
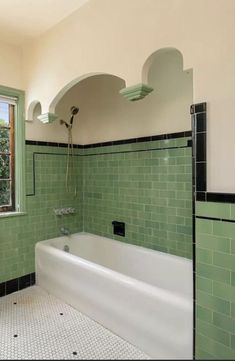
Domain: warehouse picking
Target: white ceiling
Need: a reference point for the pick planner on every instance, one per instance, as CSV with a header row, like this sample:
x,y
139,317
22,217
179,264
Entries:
x,y
22,20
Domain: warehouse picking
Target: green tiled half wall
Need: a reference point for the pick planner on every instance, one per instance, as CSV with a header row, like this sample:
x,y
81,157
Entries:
x,y
146,185
215,273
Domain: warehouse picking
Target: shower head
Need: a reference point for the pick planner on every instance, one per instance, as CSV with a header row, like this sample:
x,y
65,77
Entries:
x,y
74,110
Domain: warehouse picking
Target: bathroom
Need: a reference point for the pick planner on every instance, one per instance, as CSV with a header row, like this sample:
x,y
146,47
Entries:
x,y
117,216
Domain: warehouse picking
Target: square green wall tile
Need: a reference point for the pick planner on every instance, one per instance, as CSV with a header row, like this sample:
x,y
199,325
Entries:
x,y
204,314
224,229
213,272
215,333
204,226
212,209
212,302
204,284
224,291
224,322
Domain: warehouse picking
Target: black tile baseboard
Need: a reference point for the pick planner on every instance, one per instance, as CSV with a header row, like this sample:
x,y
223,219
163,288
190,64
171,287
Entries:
x,y
17,284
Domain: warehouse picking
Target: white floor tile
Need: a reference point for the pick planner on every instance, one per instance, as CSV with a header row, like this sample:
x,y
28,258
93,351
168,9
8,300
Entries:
x,y
39,326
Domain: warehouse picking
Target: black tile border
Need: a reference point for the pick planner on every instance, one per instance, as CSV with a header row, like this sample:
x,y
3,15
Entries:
x,y
199,140
17,284
194,226
115,142
216,219
51,144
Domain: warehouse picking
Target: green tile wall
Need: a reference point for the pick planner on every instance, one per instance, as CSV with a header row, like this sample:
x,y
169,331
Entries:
x,y
143,184
18,235
215,274
151,191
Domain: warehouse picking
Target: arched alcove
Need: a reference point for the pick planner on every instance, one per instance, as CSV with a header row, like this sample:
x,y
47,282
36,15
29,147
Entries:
x,y
71,85
173,89
34,108
98,99
160,53
106,115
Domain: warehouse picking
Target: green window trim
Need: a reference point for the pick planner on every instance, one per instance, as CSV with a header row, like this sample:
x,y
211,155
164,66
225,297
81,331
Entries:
x,y
20,197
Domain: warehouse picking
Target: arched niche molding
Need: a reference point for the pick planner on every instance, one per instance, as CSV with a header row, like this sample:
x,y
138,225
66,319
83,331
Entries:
x,y
34,107
51,115
141,90
154,56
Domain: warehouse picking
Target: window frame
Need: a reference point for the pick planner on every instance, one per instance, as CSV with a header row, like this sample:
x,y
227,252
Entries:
x,y
11,154
18,158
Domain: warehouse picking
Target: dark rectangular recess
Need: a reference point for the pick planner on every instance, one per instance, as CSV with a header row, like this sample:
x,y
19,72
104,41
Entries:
x,y
119,228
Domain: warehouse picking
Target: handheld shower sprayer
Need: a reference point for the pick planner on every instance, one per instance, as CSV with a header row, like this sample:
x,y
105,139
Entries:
x,y
74,110
70,162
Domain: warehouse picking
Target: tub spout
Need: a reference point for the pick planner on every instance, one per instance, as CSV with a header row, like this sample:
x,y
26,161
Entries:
x,y
64,231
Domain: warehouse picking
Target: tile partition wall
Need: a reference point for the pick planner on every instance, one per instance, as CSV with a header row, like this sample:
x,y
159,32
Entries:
x,y
213,256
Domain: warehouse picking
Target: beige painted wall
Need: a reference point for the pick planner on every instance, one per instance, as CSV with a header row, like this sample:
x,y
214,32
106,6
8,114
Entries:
x,y
10,66
117,36
106,115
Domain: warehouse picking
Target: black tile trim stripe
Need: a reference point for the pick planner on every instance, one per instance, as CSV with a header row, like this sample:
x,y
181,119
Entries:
x,y
51,144
17,284
193,144
199,140
220,197
115,142
216,219
134,151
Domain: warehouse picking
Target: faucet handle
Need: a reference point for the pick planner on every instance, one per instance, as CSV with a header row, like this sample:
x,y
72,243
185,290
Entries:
x,y
64,231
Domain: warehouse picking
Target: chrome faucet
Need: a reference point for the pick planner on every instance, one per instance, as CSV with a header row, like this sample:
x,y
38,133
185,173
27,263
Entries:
x,y
64,231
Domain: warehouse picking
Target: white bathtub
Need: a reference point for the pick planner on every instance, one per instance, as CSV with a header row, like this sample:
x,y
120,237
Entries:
x,y
144,296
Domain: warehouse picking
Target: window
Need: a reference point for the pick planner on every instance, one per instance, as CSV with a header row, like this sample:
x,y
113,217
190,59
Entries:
x,y
7,164
12,192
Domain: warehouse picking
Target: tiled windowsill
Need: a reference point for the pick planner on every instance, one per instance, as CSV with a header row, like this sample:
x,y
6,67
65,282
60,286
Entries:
x,y
12,214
